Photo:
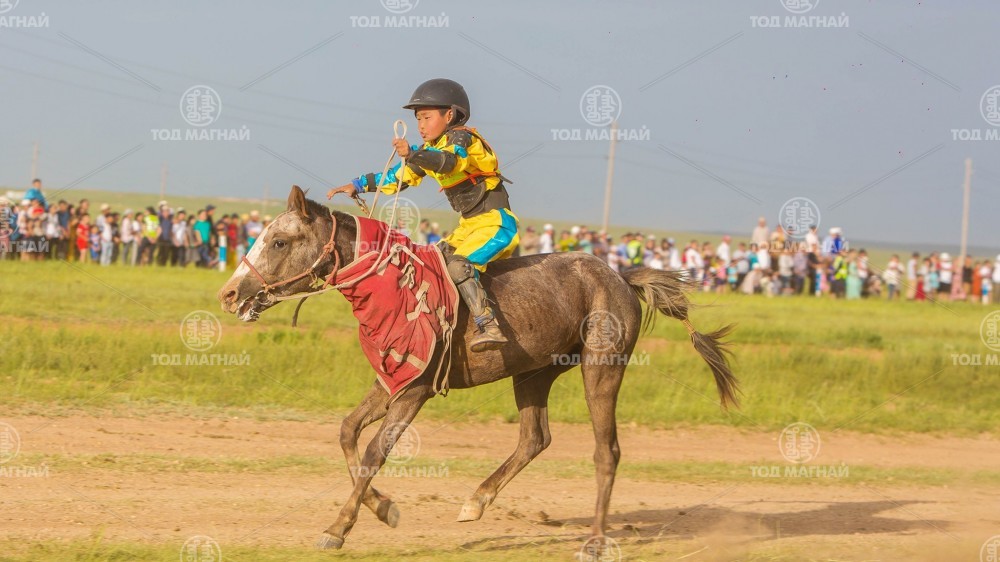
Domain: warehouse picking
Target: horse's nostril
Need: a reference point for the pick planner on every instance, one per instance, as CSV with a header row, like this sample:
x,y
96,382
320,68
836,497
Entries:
x,y
230,296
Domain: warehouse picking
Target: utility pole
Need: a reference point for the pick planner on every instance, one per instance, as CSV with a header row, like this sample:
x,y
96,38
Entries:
x,y
34,163
610,178
163,182
966,188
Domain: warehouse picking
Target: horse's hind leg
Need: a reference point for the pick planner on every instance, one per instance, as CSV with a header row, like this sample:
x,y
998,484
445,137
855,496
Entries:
x,y
371,409
531,391
601,384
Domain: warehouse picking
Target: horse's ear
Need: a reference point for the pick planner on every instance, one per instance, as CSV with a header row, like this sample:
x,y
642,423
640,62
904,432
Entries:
x,y
297,202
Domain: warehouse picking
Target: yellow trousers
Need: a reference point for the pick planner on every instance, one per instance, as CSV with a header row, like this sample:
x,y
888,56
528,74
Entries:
x,y
486,237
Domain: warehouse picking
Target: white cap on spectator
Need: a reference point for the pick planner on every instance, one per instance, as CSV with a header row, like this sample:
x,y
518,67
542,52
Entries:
x,y
162,203
105,207
548,227
127,212
574,230
25,202
945,256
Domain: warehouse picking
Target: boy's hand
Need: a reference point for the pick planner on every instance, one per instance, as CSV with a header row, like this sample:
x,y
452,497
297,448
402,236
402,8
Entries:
x,y
401,146
347,189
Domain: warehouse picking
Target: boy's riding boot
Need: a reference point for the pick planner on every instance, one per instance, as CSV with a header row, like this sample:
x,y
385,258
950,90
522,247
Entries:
x,y
488,335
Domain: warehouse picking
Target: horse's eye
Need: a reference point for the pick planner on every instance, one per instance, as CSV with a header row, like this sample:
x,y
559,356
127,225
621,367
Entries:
x,y
279,244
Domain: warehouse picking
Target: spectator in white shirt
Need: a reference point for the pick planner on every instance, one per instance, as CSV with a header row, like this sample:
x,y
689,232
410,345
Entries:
x,y
656,262
912,269
945,276
722,251
107,230
126,232
693,263
546,242
674,262
892,274
760,233
812,238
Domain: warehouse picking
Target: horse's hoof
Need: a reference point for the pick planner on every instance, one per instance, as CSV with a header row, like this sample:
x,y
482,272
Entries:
x,y
329,542
388,513
471,511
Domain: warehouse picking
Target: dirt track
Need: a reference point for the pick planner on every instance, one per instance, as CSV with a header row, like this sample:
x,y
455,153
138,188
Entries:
x,y
289,507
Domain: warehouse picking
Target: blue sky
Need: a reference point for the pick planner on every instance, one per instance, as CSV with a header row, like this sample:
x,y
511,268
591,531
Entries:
x,y
858,119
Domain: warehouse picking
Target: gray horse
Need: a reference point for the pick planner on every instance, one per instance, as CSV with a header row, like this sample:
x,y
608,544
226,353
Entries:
x,y
552,306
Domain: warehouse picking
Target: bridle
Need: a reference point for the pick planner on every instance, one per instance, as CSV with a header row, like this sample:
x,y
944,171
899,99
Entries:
x,y
265,296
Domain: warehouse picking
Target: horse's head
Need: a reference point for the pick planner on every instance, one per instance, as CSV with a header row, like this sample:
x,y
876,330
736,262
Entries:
x,y
287,257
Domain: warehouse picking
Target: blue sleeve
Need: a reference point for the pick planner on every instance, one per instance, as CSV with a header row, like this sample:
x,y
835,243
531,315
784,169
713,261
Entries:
x,y
361,183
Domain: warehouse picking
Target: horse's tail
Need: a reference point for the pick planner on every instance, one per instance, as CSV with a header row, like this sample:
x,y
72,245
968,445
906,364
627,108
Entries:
x,y
666,292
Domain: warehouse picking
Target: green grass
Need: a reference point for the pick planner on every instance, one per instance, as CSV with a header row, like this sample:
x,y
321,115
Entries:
x,y
75,336
696,472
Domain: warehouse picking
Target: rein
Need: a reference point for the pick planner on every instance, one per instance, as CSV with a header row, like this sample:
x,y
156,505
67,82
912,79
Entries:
x,y
265,296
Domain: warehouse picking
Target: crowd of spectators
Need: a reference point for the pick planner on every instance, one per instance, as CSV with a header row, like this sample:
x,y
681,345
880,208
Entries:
x,y
163,235
769,262
774,263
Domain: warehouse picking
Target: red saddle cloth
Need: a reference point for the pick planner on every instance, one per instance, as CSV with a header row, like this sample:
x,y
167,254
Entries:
x,y
405,301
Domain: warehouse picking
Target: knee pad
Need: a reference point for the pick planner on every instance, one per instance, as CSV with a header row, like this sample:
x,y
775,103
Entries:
x,y
460,269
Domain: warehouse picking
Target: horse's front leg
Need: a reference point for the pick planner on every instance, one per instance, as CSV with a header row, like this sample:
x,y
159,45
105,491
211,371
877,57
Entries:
x,y
398,417
371,409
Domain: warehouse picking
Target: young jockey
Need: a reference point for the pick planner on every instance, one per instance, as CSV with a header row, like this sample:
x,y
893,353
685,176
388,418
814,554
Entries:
x,y
465,166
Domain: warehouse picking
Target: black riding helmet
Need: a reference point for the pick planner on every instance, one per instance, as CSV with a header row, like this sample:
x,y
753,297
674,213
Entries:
x,y
441,92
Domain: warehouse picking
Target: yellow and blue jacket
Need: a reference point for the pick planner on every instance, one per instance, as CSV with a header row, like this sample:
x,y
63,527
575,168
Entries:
x,y
458,155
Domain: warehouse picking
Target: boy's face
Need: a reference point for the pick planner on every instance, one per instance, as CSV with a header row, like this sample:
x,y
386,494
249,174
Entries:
x,y
432,122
